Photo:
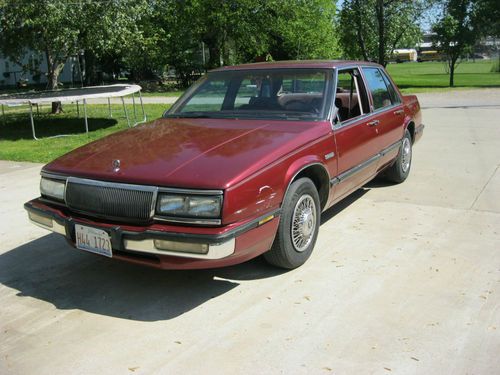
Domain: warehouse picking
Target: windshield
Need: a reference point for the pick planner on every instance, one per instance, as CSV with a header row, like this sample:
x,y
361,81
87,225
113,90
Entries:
x,y
273,93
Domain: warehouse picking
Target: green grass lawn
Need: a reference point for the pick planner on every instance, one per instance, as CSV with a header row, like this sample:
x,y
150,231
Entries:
x,y
17,143
175,93
429,76
426,76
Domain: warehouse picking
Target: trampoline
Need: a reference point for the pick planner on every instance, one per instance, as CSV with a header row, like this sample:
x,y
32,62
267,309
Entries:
x,y
76,96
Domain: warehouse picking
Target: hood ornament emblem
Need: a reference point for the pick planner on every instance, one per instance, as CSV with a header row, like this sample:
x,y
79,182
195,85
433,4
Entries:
x,y
116,165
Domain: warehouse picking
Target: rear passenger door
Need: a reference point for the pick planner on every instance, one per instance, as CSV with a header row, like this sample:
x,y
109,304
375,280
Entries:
x,y
355,135
388,111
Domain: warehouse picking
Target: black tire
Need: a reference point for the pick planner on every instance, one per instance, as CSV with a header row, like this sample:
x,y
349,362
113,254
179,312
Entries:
x,y
293,245
399,171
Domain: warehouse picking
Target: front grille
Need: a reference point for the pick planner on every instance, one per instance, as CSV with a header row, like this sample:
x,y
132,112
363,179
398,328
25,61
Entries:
x,y
111,200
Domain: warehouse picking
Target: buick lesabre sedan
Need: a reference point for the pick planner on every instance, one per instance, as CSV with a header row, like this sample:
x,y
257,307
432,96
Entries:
x,y
243,164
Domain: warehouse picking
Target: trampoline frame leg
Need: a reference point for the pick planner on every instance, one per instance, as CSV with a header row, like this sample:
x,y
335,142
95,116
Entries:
x,y
32,121
133,106
85,116
3,115
144,117
126,113
77,109
109,109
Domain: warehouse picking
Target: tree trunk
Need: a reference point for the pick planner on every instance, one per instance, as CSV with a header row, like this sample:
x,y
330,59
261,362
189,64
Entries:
x,y
53,70
452,73
214,50
359,31
381,32
91,78
215,54
53,75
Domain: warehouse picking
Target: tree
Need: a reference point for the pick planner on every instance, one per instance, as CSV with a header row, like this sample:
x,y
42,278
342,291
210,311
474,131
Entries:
x,y
109,29
238,31
488,16
43,26
456,32
59,29
488,21
372,29
302,29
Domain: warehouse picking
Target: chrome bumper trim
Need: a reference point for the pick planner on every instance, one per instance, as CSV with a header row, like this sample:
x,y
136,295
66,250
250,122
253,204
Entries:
x,y
217,251
56,227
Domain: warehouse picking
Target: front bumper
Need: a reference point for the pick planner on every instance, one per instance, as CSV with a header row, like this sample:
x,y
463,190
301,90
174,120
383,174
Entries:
x,y
226,245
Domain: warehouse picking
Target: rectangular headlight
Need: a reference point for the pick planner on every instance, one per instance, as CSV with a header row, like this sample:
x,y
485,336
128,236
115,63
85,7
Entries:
x,y
189,206
52,188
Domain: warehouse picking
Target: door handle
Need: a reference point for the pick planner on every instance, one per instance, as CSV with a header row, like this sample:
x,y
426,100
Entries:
x,y
399,112
373,123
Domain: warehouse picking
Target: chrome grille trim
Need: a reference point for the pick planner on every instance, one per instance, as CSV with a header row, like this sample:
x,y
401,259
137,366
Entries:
x,y
155,190
53,176
110,199
189,191
182,220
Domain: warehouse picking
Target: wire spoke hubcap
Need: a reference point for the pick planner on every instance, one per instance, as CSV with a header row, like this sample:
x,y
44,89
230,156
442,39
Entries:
x,y
303,222
406,155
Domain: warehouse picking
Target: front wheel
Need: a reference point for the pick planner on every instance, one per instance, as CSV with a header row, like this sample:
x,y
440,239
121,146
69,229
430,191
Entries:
x,y
298,228
400,170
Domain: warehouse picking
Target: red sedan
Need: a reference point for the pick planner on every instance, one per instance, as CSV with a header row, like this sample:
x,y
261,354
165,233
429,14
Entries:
x,y
243,164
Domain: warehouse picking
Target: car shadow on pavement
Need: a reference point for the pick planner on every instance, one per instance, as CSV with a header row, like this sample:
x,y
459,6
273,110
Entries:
x,y
343,204
379,182
49,269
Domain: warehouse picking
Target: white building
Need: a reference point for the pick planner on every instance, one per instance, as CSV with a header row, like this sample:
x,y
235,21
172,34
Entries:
x,y
12,74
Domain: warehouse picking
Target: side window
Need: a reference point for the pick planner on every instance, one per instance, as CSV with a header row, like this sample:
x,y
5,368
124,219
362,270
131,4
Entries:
x,y
378,88
390,87
350,99
247,90
209,98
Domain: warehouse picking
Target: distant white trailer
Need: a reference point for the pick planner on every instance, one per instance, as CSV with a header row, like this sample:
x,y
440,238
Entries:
x,y
76,96
403,55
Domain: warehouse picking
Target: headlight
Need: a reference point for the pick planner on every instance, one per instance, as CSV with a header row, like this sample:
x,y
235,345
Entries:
x,y
189,206
52,188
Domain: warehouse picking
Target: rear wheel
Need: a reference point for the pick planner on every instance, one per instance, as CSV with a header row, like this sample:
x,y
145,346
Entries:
x,y
400,170
298,228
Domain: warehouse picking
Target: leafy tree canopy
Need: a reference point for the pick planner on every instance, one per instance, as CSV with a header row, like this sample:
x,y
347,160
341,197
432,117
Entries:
x,y
147,36
372,29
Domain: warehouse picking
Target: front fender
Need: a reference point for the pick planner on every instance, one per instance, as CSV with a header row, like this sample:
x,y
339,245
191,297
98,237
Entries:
x,y
266,190
299,166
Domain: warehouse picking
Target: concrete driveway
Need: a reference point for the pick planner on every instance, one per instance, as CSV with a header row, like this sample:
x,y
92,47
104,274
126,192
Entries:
x,y
404,279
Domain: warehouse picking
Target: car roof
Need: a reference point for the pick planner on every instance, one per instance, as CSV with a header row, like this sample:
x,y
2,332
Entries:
x,y
296,64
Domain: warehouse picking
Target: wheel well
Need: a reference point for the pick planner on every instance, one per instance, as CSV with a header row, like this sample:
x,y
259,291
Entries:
x,y
319,176
411,129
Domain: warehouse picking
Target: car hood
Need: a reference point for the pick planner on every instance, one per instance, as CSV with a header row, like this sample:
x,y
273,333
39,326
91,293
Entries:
x,y
201,153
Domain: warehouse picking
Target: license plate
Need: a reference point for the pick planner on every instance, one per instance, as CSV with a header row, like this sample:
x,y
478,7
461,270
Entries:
x,y
93,240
